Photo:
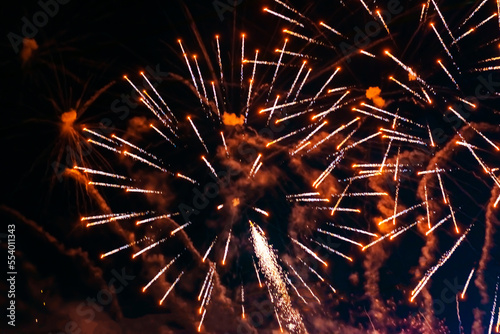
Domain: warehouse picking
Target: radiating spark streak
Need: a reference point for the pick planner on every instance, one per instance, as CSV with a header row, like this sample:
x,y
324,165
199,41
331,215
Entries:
x,y
227,247
467,283
256,272
422,13
334,107
353,229
296,291
346,139
102,216
310,40
221,71
104,145
342,127
404,229
184,54
331,29
147,220
162,134
443,193
364,112
311,200
329,208
100,136
367,53
209,166
496,202
159,96
381,238
324,86
474,12
276,71
300,148
366,7
383,22
442,19
441,262
312,270
265,213
442,43
407,88
201,77
120,216
484,69
382,165
134,146
312,133
98,172
147,162
275,279
303,195
183,226
332,250
290,8
251,85
304,283
432,171
404,119
254,164
396,196
281,16
262,62
171,287
187,178
242,59
467,102
473,128
401,213
160,273
494,302
487,60
483,22
453,216
285,136
295,80
468,32
449,74
327,171
197,133
397,165
116,250
272,110
208,250
149,101
134,86
201,321
308,251
338,89
363,194
359,177
206,282
430,136
153,245
409,70
257,169
361,141
302,84
469,147
287,104
339,237
295,54
242,302
405,139
428,214
217,109
292,116
208,293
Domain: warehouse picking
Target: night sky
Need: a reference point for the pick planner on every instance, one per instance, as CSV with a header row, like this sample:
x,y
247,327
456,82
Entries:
x,y
208,199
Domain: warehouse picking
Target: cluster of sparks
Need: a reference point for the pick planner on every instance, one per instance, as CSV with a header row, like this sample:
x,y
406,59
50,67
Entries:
x,y
396,132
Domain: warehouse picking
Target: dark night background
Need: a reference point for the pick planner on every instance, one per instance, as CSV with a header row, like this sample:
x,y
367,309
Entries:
x,y
86,46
